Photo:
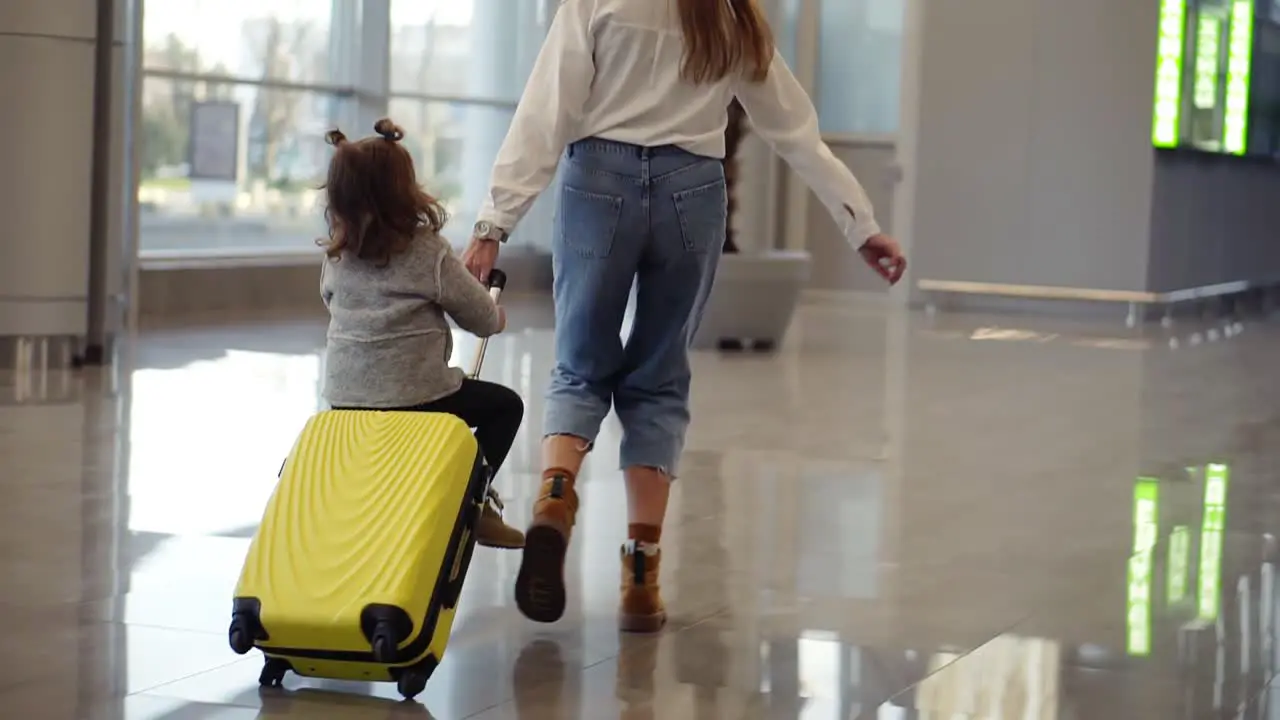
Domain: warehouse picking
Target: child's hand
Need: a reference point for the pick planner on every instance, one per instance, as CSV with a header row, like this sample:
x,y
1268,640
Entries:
x,y
502,318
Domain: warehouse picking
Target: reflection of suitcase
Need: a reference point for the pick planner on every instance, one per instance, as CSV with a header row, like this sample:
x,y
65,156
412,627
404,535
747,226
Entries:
x,y
357,567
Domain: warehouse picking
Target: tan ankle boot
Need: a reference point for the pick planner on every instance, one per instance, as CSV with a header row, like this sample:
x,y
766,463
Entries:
x,y
492,532
540,583
557,505
641,608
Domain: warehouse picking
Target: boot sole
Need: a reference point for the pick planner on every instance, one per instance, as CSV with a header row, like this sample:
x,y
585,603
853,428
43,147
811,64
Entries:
x,y
642,623
540,583
499,545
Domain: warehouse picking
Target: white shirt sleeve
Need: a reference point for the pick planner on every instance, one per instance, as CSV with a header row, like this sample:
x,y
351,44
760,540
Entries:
x,y
547,117
782,113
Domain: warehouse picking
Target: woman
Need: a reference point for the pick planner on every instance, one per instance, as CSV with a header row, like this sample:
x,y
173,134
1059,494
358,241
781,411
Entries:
x,y
638,92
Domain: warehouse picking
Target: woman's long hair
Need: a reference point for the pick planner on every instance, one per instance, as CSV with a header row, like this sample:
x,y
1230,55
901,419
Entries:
x,y
722,37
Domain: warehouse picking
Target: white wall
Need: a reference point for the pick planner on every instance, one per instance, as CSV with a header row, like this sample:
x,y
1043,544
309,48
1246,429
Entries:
x,y
1034,160
46,79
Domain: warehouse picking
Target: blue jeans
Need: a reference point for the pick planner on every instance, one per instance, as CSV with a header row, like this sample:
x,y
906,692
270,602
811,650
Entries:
x,y
656,217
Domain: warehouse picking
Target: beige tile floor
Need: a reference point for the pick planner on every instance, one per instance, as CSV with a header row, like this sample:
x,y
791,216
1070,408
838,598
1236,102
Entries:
x,y
893,518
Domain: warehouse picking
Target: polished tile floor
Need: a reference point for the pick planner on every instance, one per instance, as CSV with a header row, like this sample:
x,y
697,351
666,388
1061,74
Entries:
x,y
895,517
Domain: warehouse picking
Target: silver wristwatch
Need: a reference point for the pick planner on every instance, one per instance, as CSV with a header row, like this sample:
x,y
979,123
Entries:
x,y
488,231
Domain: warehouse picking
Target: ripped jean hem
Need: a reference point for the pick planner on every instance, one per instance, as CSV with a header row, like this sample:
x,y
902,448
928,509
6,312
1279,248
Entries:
x,y
584,445
630,457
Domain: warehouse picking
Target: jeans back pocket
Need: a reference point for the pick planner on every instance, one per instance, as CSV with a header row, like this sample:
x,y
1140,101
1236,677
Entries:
x,y
704,215
588,221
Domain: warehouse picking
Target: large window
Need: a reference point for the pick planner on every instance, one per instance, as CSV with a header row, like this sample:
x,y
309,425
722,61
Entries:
x,y
286,40
236,97
784,15
237,94
454,145
257,192
860,65
458,68
470,49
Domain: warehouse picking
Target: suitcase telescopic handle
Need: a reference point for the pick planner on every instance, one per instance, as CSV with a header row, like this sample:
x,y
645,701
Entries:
x,y
497,282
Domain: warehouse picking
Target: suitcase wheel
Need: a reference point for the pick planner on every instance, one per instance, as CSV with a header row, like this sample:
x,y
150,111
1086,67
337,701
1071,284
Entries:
x,y
246,626
384,647
411,683
386,628
242,634
273,672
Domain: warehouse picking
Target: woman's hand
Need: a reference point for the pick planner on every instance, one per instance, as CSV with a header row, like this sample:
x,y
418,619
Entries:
x,y
480,257
884,256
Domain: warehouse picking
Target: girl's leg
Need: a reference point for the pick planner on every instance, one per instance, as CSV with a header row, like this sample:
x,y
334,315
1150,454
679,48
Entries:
x,y
495,411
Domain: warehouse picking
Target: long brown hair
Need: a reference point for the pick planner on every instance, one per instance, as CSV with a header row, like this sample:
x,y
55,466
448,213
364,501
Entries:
x,y
724,36
374,205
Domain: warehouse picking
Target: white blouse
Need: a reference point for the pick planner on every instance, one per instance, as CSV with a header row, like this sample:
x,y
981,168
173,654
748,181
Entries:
x,y
611,69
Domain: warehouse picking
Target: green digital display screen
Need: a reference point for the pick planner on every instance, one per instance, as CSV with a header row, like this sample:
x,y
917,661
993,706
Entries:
x,y
1235,122
1146,532
1179,570
1170,47
1208,66
1212,528
1185,582
1204,68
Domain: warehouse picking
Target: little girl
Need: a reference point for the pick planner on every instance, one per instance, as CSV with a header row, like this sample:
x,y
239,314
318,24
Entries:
x,y
388,282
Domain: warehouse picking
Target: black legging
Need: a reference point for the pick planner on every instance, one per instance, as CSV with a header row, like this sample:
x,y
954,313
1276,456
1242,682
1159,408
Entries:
x,y
495,411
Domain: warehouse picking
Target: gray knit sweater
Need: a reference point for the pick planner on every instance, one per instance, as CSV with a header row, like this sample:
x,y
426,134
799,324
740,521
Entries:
x,y
389,342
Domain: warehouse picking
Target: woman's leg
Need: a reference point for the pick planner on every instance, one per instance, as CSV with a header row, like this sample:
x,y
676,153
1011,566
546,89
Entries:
x,y
652,400
600,231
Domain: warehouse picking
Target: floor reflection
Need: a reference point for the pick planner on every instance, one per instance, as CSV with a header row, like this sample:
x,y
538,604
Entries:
x,y
207,438
890,518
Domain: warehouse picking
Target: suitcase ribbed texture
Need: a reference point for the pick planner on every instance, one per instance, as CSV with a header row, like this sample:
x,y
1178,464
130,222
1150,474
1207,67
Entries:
x,y
363,514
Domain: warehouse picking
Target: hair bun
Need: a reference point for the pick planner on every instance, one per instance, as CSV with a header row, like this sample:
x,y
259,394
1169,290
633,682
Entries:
x,y
335,137
389,130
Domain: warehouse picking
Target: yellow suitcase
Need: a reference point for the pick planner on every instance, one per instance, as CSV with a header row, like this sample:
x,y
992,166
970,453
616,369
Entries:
x,y
356,570
357,567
